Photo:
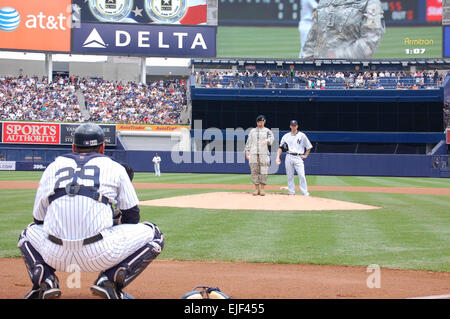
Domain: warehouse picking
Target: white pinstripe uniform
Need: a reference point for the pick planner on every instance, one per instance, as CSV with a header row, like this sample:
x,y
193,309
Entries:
x,y
156,161
297,145
74,218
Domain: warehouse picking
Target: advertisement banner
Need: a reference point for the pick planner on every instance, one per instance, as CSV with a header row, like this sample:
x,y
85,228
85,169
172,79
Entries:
x,y
145,40
7,166
67,131
35,25
187,12
30,166
150,128
30,133
434,10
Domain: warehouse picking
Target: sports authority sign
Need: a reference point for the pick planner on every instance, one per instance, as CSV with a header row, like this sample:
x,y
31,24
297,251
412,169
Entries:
x,y
47,133
145,40
30,133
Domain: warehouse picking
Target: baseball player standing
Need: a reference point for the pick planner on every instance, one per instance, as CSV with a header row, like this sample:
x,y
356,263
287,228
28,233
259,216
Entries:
x,y
73,222
298,148
257,153
156,160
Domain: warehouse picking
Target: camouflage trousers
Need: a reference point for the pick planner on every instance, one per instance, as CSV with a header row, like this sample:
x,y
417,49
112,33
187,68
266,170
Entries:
x,y
259,168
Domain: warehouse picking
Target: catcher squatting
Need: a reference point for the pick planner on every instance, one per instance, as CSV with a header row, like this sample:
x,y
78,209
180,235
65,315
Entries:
x,y
76,222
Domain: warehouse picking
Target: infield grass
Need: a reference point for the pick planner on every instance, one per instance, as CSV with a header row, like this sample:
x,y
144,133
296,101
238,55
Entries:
x,y
409,232
284,42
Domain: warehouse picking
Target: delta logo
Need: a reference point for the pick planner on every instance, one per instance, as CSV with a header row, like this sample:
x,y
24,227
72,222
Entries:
x,y
35,25
94,40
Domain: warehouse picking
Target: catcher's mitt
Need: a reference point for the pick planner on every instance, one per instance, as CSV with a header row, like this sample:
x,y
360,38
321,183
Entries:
x,y
284,147
205,292
117,213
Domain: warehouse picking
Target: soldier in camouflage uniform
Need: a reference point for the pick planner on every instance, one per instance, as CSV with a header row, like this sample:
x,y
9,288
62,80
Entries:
x,y
345,29
257,153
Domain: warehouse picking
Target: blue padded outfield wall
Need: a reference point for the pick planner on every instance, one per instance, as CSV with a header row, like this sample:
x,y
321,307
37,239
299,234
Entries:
x,y
315,164
232,163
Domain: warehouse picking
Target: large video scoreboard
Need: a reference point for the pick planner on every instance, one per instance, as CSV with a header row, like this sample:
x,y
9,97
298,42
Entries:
x,y
280,12
215,28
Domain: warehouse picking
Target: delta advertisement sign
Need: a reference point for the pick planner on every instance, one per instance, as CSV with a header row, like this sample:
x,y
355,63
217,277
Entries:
x,y
47,133
148,40
149,28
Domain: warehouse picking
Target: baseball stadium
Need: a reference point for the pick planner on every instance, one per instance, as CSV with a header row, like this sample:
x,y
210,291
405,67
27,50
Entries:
x,y
149,149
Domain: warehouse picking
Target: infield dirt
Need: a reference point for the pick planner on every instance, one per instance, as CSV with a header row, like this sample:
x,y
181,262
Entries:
x,y
168,279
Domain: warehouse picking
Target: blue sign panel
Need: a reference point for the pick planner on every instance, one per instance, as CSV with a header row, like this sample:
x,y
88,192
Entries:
x,y
446,36
144,40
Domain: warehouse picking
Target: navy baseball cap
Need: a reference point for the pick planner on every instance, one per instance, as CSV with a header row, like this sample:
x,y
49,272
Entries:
x,y
293,122
260,118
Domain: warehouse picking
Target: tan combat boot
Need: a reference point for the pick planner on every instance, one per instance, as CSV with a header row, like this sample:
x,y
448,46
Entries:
x,y
261,191
256,192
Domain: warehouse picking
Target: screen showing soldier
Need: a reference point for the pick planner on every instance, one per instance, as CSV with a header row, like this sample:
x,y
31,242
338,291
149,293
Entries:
x,y
331,29
345,29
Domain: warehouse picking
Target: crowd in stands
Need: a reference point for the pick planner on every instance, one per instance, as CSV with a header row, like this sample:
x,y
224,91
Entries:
x,y
446,111
34,99
160,102
319,79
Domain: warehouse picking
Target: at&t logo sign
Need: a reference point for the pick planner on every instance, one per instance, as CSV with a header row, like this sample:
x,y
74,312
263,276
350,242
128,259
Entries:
x,y
9,19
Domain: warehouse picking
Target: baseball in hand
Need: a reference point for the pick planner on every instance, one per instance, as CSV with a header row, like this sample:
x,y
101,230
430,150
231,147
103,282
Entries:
x,y
278,161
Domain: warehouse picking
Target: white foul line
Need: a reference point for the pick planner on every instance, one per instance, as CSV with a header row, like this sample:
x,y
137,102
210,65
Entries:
x,y
432,297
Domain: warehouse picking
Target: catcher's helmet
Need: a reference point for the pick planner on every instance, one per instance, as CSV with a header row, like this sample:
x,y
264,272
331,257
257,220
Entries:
x,y
205,292
88,135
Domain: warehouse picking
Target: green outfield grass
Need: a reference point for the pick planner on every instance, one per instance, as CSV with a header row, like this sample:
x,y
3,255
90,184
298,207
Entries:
x,y
284,42
187,178
409,232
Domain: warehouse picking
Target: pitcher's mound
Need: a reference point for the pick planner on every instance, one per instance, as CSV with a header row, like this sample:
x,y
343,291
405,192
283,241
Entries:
x,y
246,201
